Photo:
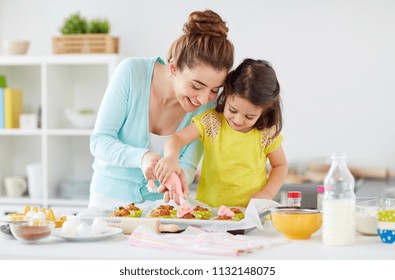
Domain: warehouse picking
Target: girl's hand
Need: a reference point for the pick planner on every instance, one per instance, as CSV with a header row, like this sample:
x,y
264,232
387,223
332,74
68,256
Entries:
x,y
148,163
166,167
171,195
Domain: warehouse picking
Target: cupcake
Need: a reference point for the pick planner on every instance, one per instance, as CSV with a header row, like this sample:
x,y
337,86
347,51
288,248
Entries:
x,y
135,212
129,211
185,212
239,215
162,211
202,213
224,213
120,212
233,214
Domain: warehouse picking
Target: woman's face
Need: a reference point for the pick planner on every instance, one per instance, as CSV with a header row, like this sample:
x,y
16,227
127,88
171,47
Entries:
x,y
240,113
195,87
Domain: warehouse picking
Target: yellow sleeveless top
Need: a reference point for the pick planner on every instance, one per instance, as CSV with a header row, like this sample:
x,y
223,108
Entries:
x,y
234,163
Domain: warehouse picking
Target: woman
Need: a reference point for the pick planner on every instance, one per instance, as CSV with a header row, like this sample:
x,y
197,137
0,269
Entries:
x,y
146,102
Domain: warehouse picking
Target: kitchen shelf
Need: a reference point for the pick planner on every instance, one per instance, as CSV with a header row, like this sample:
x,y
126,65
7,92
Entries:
x,y
51,84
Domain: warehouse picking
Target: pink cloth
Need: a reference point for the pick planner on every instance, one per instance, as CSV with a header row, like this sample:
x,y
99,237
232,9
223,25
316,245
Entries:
x,y
196,240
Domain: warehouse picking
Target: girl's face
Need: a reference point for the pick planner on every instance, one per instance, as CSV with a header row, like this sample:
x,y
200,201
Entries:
x,y
195,87
240,113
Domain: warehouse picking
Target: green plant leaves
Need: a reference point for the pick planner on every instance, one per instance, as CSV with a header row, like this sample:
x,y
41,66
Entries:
x,y
75,24
98,26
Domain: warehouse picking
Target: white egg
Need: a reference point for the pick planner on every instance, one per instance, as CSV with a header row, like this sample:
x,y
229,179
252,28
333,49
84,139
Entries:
x,y
99,225
70,227
85,230
39,216
30,214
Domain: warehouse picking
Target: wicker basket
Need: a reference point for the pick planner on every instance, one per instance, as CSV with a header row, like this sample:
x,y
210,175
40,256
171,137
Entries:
x,y
85,43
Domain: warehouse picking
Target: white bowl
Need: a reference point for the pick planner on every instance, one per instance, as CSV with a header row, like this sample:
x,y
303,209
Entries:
x,y
15,47
81,118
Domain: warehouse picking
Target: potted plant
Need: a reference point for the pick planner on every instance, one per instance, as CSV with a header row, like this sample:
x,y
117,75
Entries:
x,y
80,35
75,24
99,26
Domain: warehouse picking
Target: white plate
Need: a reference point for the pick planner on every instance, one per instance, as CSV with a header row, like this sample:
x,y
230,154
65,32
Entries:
x,y
108,232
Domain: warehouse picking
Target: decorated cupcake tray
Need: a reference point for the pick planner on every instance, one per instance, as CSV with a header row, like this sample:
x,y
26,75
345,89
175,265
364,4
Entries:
x,y
253,216
204,219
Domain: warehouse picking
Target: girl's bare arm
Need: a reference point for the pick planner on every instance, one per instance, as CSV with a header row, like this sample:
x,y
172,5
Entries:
x,y
277,175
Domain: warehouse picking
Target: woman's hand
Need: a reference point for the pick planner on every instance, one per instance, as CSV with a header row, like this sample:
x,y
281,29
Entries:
x,y
171,195
148,164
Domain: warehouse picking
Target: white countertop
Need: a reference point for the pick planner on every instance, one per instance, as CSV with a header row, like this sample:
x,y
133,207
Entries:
x,y
116,247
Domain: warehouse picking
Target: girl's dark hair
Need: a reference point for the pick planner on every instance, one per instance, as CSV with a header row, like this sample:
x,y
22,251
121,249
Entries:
x,y
204,41
256,81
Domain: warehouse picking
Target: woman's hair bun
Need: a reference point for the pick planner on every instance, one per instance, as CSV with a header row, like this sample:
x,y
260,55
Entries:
x,y
206,23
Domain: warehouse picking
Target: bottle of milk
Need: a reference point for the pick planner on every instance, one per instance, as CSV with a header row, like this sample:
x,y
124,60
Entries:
x,y
338,204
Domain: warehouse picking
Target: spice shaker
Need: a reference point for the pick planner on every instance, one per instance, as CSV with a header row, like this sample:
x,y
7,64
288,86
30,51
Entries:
x,y
294,199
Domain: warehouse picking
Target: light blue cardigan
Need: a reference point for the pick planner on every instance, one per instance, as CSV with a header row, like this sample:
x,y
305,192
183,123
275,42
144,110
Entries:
x,y
121,134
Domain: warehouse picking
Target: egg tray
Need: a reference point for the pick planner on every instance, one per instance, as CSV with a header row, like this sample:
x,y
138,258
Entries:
x,y
49,216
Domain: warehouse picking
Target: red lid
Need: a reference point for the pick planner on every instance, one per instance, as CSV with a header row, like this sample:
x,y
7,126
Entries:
x,y
320,189
294,194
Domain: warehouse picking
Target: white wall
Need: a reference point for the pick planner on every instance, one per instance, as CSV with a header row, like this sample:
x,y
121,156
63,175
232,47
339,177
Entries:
x,y
335,59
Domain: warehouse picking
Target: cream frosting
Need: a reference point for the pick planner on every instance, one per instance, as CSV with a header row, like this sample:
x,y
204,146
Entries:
x,y
225,211
183,210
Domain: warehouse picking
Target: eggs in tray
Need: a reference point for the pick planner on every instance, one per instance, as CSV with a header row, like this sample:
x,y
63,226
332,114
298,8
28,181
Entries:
x,y
40,215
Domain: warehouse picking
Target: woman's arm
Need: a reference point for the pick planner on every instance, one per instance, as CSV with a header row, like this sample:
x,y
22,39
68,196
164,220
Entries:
x,y
277,175
105,142
170,162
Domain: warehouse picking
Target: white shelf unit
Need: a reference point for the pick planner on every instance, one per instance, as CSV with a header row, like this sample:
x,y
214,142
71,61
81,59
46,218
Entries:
x,y
52,83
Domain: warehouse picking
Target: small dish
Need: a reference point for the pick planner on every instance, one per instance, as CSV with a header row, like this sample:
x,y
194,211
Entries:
x,y
366,214
12,47
107,233
31,231
5,232
296,223
81,119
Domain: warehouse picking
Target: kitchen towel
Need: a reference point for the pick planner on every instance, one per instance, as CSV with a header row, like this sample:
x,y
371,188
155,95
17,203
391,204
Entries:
x,y
196,240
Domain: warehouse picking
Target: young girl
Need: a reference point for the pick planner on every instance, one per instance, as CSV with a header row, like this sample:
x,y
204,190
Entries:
x,y
239,135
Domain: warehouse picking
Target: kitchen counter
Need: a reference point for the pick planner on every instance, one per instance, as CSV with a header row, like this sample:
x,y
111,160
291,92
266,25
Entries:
x,y
116,247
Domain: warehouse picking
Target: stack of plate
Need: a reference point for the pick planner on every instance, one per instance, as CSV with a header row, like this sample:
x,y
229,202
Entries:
x,y
76,189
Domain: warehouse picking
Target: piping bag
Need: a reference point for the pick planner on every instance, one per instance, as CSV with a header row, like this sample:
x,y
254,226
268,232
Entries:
x,y
174,184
